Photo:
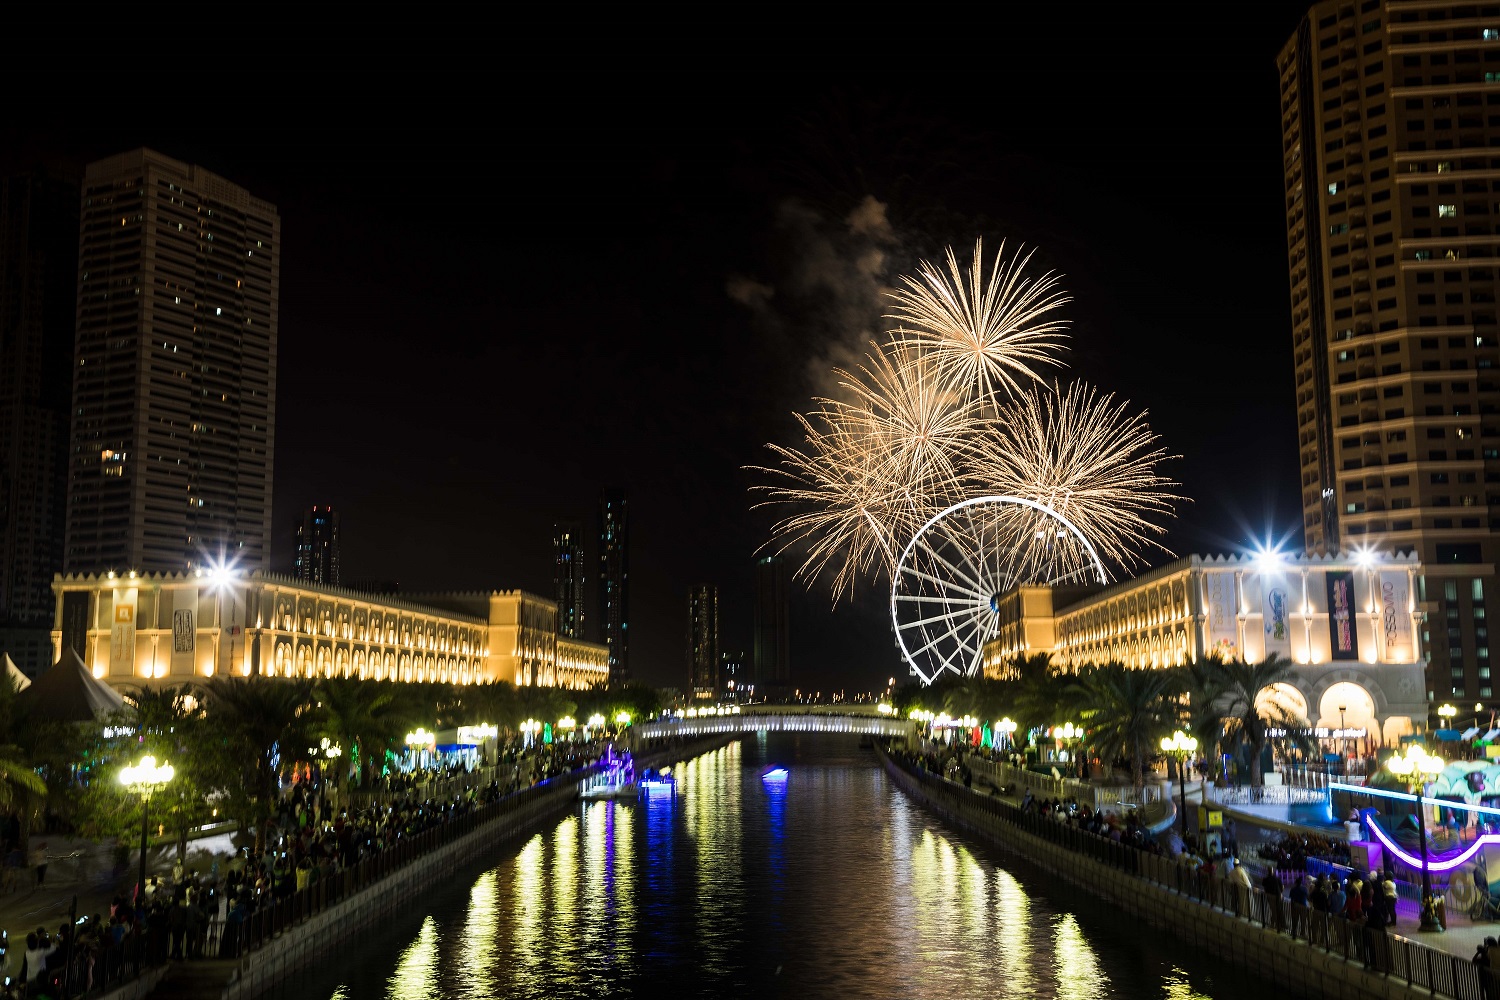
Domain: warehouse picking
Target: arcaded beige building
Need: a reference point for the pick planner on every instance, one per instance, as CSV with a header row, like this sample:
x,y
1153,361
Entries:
x,y
1352,627
132,628
1390,116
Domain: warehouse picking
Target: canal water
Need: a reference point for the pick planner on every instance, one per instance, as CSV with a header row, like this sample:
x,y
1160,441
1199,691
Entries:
x,y
829,884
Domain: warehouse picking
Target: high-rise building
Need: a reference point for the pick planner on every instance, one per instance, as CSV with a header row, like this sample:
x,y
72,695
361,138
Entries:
x,y
174,382
569,579
1392,208
773,672
703,643
614,582
38,302
735,677
317,559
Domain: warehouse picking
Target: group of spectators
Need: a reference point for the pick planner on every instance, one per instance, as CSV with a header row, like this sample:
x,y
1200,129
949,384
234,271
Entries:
x,y
189,914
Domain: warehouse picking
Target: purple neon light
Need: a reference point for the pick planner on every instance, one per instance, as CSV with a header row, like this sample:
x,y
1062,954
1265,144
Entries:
x,y
1433,864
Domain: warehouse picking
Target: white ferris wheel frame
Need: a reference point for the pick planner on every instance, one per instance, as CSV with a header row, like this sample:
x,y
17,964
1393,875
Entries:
x,y
911,661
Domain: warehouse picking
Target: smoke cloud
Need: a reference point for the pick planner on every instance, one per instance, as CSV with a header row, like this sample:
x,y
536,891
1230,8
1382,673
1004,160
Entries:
x,y
825,303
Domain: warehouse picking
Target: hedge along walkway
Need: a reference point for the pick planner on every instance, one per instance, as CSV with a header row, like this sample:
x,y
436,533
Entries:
x,y
1326,959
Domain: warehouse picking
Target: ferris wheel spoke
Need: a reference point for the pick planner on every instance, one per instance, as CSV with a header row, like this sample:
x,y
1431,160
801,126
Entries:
x,y
933,642
939,618
924,599
945,584
976,584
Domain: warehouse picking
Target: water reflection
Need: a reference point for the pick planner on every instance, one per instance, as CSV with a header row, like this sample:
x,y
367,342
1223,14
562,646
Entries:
x,y
828,884
1079,976
415,977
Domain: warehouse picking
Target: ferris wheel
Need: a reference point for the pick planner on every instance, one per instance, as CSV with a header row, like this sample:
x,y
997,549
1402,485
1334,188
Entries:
x,y
945,592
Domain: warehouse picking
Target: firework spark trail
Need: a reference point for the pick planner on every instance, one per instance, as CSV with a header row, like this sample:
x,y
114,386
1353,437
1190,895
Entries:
x,y
938,415
1087,457
982,336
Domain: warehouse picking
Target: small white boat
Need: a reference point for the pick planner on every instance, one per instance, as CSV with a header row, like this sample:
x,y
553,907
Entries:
x,y
608,790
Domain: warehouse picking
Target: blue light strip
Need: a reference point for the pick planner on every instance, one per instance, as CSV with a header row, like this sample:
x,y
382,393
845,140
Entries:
x,y
1339,786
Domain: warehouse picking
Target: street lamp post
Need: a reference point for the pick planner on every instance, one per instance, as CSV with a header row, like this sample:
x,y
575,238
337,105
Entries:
x,y
1416,769
144,779
325,751
1343,743
1180,746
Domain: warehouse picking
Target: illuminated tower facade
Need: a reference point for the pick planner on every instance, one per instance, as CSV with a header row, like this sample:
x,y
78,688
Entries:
x,y
1392,202
38,299
614,582
174,381
568,579
317,558
773,672
703,643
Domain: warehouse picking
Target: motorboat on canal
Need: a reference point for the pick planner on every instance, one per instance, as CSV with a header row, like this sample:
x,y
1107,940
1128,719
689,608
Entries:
x,y
615,781
775,774
655,784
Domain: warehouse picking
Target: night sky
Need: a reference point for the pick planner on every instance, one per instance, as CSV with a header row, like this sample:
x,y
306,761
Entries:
x,y
503,289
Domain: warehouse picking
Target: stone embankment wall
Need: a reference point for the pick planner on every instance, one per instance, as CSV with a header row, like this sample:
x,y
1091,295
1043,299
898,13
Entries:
x,y
1275,957
265,968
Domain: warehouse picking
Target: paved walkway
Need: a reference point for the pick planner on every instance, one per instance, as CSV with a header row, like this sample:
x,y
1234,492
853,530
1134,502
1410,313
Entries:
x,y
1263,822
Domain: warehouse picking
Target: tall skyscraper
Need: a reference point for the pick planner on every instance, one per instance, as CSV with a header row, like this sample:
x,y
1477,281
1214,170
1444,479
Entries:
x,y
174,385
614,582
318,547
734,677
568,579
773,671
703,643
1392,203
38,303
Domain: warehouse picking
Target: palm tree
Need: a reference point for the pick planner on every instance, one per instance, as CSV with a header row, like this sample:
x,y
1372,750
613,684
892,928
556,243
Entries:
x,y
265,719
18,778
1125,712
1250,722
362,717
1202,683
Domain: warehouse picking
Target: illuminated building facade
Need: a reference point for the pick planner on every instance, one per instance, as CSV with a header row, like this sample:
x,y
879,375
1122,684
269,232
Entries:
x,y
1351,627
129,628
703,643
174,381
569,579
38,303
1392,206
317,559
614,582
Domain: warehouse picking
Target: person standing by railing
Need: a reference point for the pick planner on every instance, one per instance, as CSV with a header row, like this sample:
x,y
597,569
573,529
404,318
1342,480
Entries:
x,y
1298,898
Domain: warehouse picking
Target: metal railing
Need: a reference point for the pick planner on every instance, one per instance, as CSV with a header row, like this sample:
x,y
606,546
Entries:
x,y
1269,795
1384,953
1111,798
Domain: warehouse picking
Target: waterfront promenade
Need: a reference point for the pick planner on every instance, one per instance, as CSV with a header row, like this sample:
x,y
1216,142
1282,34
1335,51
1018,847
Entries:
x,y
1312,953
259,920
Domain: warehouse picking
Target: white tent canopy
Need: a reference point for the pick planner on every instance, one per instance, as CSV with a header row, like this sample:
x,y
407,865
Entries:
x,y
19,680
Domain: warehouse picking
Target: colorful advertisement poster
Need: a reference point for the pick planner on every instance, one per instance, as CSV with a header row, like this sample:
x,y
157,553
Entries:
x,y
1395,616
1343,635
1276,598
122,638
1223,620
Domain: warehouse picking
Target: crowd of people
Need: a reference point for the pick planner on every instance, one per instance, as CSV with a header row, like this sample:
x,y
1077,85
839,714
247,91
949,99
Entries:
x,y
192,914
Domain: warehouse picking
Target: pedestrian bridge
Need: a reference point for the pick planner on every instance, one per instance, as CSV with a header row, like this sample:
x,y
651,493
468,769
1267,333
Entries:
x,y
754,722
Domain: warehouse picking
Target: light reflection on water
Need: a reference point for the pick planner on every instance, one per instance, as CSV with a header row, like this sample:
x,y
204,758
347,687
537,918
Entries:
x,y
829,884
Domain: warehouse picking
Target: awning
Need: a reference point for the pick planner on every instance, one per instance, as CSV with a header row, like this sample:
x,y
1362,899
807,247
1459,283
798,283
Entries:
x,y
1470,733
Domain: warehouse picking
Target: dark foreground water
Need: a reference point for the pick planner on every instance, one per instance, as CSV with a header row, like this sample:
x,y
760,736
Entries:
x,y
829,885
